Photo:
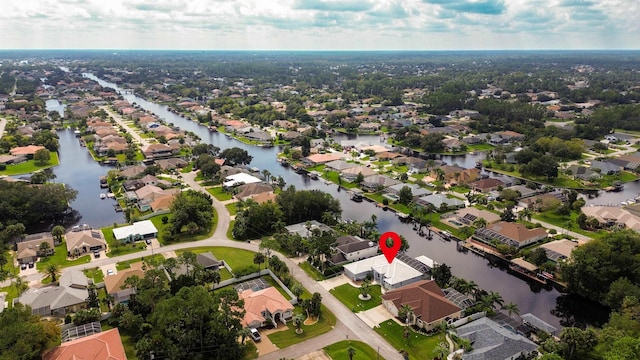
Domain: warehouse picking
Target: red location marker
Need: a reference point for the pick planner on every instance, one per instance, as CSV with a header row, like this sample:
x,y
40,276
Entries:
x,y
390,252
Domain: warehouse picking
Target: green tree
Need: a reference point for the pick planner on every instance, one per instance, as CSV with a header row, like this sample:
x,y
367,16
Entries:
x,y
441,351
480,222
441,274
42,156
405,195
259,259
86,316
52,272
92,300
44,248
577,343
190,207
365,289
26,336
512,308
236,156
359,179
297,290
58,232
351,352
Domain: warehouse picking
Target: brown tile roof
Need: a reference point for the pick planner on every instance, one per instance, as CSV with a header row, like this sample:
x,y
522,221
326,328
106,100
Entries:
x,y
26,150
487,183
517,232
112,283
106,345
425,298
257,301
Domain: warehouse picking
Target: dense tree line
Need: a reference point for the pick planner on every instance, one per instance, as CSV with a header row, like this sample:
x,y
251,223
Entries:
x,y
192,213
606,269
33,205
26,336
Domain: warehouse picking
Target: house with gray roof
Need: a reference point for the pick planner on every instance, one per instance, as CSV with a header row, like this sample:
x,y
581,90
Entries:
x,y
491,341
375,182
69,297
339,165
352,248
302,230
438,199
606,167
416,191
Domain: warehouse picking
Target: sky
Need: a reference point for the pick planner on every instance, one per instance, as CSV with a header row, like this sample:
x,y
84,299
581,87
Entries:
x,y
320,24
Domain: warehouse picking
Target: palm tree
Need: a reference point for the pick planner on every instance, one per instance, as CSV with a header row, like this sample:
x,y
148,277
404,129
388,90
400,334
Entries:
x,y
441,351
297,322
57,232
267,175
244,332
258,259
512,308
365,290
351,351
297,290
496,299
53,271
44,248
439,174
525,213
19,284
480,222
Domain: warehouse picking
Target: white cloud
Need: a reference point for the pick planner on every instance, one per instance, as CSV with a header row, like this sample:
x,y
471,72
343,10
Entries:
x,y
319,24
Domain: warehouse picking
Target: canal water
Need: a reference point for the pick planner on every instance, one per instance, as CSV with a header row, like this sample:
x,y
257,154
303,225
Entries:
x,y
542,302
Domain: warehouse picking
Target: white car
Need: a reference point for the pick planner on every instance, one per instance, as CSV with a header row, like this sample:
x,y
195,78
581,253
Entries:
x,y
255,335
109,272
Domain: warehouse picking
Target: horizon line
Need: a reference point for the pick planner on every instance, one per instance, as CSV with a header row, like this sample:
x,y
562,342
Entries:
x,y
320,50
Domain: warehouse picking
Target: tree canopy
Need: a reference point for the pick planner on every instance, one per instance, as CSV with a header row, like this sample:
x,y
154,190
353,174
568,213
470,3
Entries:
x,y
25,336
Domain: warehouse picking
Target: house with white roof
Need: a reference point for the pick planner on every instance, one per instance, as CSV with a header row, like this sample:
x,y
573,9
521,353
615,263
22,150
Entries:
x,y
239,179
389,276
137,231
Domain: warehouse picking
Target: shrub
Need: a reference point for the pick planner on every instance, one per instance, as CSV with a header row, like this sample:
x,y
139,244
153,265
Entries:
x,y
165,219
243,271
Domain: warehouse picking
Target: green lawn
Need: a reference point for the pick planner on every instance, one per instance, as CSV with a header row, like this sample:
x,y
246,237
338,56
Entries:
x,y
480,147
348,295
334,177
59,258
12,293
232,208
94,273
127,264
236,258
311,271
30,166
116,248
183,237
220,194
230,229
283,339
338,351
419,346
561,221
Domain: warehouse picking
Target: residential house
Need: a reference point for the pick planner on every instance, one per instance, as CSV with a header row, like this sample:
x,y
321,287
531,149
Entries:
x,y
27,151
29,249
69,297
438,199
559,250
429,304
113,283
470,214
512,234
583,173
492,341
137,231
339,165
150,180
389,275
486,185
612,217
416,191
132,171
305,229
149,193
351,173
260,136
132,185
12,159
265,304
605,167
452,144
240,178
106,345
171,163
456,174
248,191
317,159
82,241
163,202
352,248
378,182
156,151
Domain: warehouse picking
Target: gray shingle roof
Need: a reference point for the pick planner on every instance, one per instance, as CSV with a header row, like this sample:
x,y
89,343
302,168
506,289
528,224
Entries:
x,y
491,341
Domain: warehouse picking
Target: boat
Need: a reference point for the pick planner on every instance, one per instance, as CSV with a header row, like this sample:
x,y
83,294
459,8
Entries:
x,y
356,195
103,182
77,133
528,275
103,196
478,164
213,128
547,275
314,175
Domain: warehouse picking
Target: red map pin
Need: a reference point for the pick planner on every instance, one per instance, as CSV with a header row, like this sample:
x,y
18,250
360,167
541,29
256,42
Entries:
x,y
390,252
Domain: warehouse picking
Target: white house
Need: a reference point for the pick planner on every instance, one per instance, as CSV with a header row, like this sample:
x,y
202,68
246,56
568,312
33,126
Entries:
x,y
136,231
239,179
389,276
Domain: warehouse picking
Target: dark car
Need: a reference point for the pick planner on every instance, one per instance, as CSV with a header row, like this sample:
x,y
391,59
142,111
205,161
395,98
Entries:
x,y
96,254
148,241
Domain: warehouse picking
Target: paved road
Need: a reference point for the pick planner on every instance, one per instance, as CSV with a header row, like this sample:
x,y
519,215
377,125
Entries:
x,y
143,142
3,123
347,322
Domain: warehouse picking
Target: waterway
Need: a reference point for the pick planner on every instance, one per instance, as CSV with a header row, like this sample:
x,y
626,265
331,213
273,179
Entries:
x,y
55,105
530,298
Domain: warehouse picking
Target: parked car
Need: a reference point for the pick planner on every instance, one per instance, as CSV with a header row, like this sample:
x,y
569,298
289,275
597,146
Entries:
x,y
109,272
148,241
23,266
31,265
255,335
96,254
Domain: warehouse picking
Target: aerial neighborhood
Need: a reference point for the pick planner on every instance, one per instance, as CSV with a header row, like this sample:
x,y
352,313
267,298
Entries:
x,y
216,207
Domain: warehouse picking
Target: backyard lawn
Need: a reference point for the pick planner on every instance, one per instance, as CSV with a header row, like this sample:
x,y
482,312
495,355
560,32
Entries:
x,y
59,258
30,166
232,208
338,351
220,194
95,273
236,258
348,295
283,339
419,346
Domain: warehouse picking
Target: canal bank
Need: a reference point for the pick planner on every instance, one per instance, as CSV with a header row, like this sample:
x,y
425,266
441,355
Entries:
x,y
531,297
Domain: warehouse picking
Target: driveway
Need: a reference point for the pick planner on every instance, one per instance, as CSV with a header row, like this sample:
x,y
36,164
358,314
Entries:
x,y
334,282
375,316
112,266
265,346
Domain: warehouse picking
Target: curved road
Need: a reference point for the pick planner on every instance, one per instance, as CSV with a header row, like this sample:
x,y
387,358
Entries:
x,y
347,323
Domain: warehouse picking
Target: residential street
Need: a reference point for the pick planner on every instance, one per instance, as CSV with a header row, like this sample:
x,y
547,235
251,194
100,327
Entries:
x,y
347,322
3,122
118,118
